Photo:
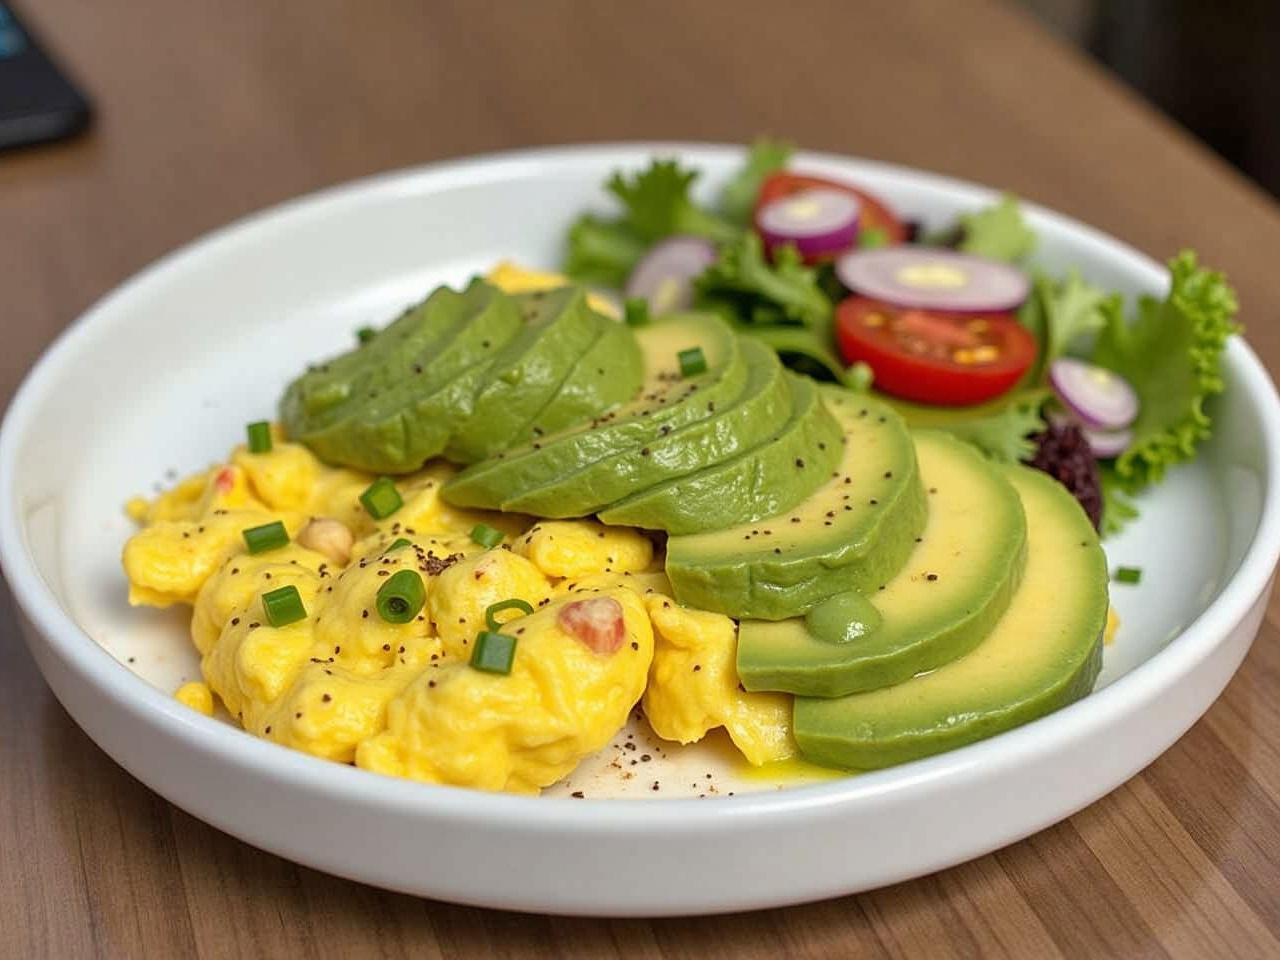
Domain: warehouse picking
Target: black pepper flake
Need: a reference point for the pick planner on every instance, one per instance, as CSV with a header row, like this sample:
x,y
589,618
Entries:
x,y
386,647
697,667
255,625
635,645
577,795
364,614
800,463
931,576
235,621
873,501
326,698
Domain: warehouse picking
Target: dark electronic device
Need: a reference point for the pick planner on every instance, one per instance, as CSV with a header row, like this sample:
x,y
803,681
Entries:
x,y
37,103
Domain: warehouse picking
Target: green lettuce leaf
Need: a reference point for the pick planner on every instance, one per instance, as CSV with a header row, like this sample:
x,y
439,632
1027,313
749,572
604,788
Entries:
x,y
1061,313
1172,354
1001,429
602,251
1117,509
998,231
738,197
753,291
658,205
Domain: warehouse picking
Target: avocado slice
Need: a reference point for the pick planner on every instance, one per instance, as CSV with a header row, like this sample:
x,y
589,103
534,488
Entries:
x,y
322,394
760,482
667,401
954,586
525,374
608,375
1043,653
853,532
395,428
753,416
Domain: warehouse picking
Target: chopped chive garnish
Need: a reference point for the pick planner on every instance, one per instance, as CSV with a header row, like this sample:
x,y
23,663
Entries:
x,y
283,606
401,597
493,652
872,237
365,334
486,535
381,499
269,536
636,311
515,603
1128,575
396,544
259,437
692,362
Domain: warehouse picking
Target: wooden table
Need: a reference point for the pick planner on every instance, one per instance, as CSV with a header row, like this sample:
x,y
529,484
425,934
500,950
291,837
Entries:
x,y
209,110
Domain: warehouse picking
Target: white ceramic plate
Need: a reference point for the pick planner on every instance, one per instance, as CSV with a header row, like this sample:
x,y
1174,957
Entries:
x,y
163,373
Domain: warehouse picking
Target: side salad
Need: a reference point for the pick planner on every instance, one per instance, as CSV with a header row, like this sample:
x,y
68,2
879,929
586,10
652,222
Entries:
x,y
957,328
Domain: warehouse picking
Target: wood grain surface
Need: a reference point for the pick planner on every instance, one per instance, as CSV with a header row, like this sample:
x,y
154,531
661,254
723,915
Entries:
x,y
208,110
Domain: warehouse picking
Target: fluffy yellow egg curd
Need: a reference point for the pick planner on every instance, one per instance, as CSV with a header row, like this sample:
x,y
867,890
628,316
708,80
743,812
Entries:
x,y
344,683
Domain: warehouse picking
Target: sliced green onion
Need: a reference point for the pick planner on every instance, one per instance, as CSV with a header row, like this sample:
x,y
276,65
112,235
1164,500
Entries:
x,y
269,536
283,606
515,603
1131,575
872,237
692,361
259,437
401,597
486,535
493,652
636,311
365,334
396,544
381,499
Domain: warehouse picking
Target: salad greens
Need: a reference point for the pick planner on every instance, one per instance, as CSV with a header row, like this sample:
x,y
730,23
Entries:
x,y
1060,313
1170,350
756,292
998,231
1171,353
738,197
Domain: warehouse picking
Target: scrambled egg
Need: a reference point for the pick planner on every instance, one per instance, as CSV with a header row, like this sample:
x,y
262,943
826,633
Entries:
x,y
402,699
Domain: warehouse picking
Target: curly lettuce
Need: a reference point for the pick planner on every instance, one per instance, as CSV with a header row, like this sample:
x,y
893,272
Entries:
x,y
1172,354
656,204
1061,313
743,284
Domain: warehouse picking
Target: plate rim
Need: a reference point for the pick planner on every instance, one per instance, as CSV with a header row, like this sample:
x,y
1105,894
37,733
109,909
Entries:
x,y
65,638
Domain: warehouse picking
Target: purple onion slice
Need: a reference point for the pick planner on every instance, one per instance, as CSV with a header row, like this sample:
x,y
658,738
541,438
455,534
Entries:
x,y
1108,444
817,221
1099,398
664,275
1103,444
928,278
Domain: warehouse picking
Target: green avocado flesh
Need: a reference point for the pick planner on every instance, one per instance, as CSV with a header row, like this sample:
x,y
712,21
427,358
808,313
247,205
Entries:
x,y
395,428
1042,654
954,586
528,372
332,391
754,415
852,533
760,482
464,375
667,402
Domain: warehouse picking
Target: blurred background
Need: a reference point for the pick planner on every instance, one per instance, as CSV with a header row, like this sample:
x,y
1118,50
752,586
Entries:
x,y
1209,64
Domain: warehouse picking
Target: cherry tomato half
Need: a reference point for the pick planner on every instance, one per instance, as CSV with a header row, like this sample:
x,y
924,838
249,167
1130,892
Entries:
x,y
935,356
874,215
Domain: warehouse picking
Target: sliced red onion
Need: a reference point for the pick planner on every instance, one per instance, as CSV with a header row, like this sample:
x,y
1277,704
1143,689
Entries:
x,y
933,279
817,221
664,275
1099,398
1108,444
1104,444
